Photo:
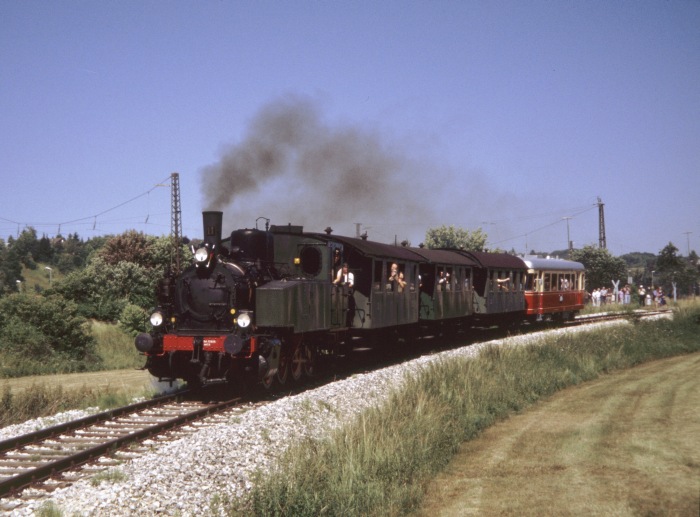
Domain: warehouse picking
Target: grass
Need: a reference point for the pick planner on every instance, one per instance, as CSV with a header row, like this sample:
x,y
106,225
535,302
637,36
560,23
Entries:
x,y
115,351
42,400
114,347
39,279
625,444
108,476
382,464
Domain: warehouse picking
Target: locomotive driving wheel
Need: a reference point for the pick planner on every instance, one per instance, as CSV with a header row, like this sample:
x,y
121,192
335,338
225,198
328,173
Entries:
x,y
296,362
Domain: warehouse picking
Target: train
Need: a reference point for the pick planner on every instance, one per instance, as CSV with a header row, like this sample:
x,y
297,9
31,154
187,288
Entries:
x,y
262,306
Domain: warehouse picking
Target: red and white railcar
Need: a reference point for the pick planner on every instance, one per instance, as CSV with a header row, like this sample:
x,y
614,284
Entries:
x,y
554,288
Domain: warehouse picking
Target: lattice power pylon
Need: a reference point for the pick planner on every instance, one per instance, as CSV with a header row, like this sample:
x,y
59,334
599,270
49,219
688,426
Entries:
x,y
602,244
175,220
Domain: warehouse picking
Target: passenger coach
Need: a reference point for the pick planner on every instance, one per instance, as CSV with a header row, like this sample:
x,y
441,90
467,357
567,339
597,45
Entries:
x,y
554,288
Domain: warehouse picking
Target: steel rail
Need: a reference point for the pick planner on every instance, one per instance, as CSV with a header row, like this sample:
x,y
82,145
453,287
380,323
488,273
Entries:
x,y
50,432
42,472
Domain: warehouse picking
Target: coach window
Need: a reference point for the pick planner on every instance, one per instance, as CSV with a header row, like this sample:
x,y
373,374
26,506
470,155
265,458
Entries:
x,y
457,281
449,279
547,282
378,275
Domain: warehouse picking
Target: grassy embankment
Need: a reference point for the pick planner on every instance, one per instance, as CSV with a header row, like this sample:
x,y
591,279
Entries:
x,y
114,350
383,463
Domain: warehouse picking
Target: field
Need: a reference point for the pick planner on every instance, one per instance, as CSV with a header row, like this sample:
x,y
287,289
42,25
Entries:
x,y
626,444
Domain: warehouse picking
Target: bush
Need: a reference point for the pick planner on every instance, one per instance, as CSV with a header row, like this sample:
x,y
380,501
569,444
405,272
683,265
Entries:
x,y
39,333
133,319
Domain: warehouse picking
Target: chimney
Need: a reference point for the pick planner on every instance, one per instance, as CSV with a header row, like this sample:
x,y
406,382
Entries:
x,y
212,228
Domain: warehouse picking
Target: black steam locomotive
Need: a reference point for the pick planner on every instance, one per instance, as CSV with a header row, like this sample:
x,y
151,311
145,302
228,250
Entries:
x,y
263,305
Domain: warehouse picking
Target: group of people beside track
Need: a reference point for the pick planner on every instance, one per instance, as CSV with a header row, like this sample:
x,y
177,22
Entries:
x,y
603,296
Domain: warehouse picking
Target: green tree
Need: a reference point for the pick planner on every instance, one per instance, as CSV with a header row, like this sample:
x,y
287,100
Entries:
x,y
601,267
130,246
133,319
102,290
44,250
672,268
43,325
668,260
123,271
26,247
456,238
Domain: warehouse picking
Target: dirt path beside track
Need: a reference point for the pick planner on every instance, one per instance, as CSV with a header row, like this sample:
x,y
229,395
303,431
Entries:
x,y
625,444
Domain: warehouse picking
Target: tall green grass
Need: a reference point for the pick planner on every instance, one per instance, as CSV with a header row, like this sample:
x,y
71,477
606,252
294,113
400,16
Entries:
x,y
114,351
115,347
381,464
42,400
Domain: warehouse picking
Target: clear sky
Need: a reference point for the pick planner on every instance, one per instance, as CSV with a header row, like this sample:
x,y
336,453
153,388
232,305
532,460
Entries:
x,y
510,116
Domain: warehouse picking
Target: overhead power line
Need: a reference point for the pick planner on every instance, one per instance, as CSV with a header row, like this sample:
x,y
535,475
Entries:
x,y
92,219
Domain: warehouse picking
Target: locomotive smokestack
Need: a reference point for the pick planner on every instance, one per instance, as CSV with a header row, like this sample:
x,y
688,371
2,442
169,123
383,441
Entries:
x,y
212,228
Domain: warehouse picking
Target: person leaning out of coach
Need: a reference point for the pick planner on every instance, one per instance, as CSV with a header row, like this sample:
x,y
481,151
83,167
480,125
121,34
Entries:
x,y
345,277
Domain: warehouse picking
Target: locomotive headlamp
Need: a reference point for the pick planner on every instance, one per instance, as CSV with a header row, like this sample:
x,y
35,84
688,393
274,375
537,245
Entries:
x,y
201,255
244,320
157,319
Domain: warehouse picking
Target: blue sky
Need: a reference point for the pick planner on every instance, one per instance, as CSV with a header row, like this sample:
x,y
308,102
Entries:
x,y
508,116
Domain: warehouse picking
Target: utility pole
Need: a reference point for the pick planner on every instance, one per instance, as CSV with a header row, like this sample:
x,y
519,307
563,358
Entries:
x,y
568,236
687,238
175,221
601,225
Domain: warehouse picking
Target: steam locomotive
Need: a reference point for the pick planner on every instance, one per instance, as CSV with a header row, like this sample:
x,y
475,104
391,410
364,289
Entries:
x,y
261,306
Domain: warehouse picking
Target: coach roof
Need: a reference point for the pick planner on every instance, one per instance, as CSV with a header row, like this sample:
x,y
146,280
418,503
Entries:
x,y
375,249
445,257
496,260
552,264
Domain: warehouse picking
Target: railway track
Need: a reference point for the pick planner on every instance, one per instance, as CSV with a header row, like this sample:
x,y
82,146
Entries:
x,y
33,458
632,315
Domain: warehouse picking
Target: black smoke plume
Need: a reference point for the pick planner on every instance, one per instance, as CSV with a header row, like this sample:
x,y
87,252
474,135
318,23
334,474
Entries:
x,y
293,167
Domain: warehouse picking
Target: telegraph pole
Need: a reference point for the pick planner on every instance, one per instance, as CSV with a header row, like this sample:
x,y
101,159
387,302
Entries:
x,y
568,236
601,225
175,221
687,238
